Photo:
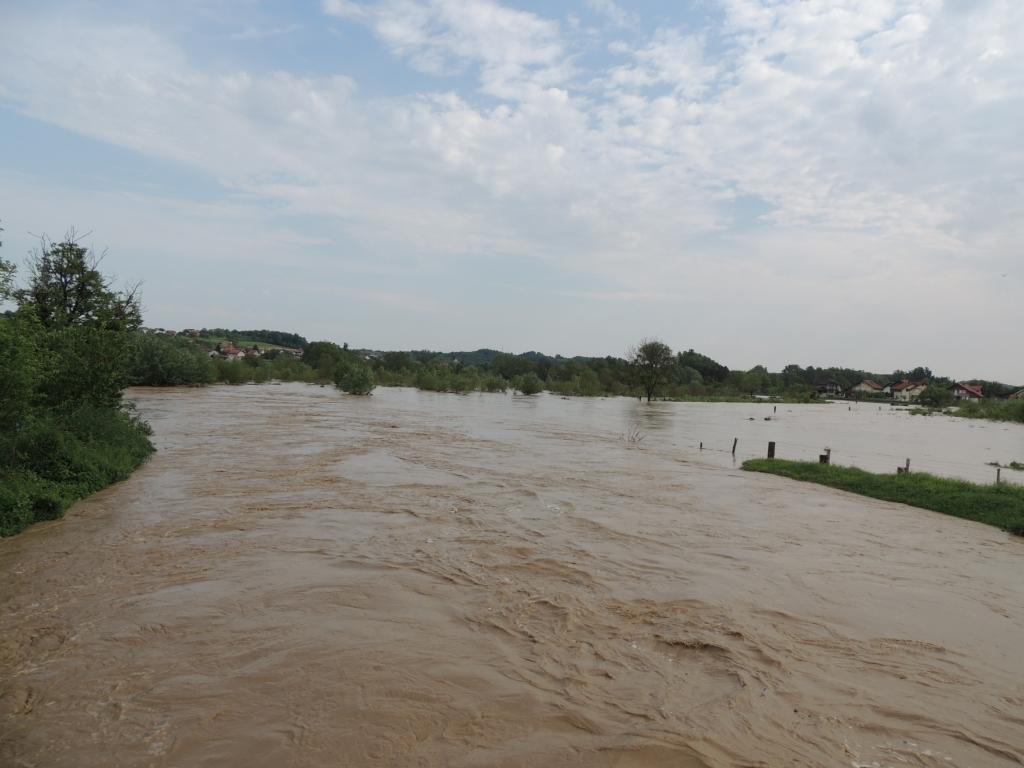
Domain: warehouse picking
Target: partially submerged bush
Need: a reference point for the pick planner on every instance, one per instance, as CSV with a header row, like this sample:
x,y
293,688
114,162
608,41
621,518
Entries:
x,y
528,384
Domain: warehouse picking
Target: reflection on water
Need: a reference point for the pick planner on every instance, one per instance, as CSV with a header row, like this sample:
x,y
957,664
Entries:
x,y
416,579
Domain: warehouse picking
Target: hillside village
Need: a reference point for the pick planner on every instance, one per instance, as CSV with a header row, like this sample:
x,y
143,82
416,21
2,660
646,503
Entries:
x,y
907,391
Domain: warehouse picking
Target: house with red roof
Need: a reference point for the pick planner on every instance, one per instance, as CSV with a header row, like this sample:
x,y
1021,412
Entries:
x,y
907,390
964,391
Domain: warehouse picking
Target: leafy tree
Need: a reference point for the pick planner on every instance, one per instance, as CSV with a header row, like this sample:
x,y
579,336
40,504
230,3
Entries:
x,y
162,361
936,396
324,358
6,277
63,364
66,288
511,366
354,378
650,362
529,383
708,369
395,361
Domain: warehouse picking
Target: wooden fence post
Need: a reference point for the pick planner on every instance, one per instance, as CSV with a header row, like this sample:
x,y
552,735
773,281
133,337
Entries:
x,y
734,441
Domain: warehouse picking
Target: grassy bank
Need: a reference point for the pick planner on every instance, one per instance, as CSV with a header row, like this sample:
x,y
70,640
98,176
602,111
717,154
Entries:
x,y
998,505
55,460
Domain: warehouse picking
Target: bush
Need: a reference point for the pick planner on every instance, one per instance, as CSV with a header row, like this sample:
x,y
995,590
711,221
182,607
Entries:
x,y
354,378
163,361
58,459
999,410
935,396
528,384
493,383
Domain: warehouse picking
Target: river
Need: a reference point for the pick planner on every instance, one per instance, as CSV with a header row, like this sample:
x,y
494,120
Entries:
x,y
303,578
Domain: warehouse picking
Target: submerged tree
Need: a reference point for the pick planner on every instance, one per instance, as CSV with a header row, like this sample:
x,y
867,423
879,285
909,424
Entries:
x,y
355,378
650,362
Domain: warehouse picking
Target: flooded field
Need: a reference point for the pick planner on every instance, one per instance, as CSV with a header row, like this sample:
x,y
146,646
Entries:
x,y
299,578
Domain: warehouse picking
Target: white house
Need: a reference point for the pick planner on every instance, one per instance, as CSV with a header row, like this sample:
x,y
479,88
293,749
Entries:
x,y
868,387
905,391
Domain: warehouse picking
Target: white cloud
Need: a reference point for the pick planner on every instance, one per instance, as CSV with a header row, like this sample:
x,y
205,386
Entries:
x,y
515,50
875,141
614,12
263,33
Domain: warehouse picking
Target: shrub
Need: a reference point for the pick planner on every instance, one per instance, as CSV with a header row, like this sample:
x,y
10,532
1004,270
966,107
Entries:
x,y
528,384
354,378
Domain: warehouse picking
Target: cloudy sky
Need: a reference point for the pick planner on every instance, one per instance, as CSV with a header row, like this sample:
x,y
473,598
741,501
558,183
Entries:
x,y
767,181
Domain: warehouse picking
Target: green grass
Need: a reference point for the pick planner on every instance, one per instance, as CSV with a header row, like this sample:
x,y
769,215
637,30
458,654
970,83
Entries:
x,y
998,505
241,343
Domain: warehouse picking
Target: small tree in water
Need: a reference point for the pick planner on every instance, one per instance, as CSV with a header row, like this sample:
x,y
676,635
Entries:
x,y
650,362
354,378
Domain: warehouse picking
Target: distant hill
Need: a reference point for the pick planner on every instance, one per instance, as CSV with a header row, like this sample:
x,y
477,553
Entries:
x,y
275,338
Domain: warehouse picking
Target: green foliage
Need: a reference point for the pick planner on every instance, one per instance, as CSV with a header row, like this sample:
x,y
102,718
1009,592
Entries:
x,y
277,338
528,384
66,288
708,369
20,370
324,357
63,363
7,272
55,459
650,362
998,505
996,410
156,360
354,378
493,383
936,396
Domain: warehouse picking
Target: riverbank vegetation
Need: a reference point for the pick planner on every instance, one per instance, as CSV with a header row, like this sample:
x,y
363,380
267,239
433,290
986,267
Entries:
x,y
991,409
999,505
650,369
64,360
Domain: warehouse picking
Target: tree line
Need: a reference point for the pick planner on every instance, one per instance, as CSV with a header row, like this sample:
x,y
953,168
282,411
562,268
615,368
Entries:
x,y
651,370
277,338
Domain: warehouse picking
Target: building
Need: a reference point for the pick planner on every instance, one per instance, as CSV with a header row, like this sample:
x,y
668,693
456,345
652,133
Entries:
x,y
1018,395
868,387
965,391
905,391
830,389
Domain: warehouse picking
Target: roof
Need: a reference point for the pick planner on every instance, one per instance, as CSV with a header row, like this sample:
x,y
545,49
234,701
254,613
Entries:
x,y
870,383
973,389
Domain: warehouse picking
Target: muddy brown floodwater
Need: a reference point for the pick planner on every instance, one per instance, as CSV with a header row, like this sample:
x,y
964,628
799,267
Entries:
x,y
299,578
